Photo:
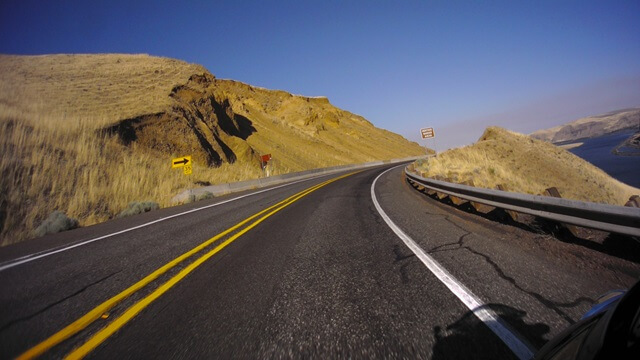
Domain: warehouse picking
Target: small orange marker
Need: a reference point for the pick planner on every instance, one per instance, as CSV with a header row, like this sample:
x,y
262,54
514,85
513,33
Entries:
x,y
104,316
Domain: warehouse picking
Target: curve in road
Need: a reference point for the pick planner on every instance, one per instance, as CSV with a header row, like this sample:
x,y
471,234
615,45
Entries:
x,y
324,276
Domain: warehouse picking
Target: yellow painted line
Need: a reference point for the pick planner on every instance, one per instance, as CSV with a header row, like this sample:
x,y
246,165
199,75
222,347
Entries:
x,y
132,311
84,321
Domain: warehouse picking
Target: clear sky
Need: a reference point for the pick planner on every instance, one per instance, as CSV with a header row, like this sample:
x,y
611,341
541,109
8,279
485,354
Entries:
x,y
452,65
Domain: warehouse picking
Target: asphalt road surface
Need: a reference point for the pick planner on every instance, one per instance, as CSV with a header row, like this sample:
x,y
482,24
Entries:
x,y
360,266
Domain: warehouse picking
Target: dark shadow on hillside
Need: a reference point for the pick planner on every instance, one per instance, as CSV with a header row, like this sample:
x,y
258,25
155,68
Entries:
x,y
228,153
230,122
126,129
470,338
213,158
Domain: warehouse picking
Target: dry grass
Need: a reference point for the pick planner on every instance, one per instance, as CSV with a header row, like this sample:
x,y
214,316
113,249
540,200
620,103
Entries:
x,y
86,175
526,165
105,88
57,156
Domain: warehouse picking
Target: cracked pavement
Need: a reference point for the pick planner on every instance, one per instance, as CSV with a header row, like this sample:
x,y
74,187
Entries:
x,y
553,282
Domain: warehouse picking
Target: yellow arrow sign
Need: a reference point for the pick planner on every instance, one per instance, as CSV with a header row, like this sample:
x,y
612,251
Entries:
x,y
181,161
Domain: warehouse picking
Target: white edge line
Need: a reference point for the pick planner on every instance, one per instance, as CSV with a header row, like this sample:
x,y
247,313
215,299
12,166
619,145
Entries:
x,y
471,301
31,257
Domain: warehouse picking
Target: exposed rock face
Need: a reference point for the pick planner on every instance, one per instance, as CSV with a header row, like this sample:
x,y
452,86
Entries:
x,y
591,126
166,107
217,121
197,123
89,134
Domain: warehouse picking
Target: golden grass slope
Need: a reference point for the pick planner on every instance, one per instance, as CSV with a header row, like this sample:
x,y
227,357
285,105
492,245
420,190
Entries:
x,y
87,134
526,165
106,88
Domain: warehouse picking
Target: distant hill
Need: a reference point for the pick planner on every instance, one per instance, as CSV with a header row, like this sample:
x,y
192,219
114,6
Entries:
x,y
87,134
526,165
591,126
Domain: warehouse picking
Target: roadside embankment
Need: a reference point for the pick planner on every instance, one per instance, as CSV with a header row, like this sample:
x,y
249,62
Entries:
x,y
522,164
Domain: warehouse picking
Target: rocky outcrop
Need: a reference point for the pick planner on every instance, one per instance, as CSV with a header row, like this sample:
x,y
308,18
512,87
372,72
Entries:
x,y
198,123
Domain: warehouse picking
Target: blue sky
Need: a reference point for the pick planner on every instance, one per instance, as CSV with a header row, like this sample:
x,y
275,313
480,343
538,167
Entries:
x,y
452,65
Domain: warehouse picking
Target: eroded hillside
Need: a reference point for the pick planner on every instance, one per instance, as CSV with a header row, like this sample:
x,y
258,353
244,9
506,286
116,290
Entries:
x,y
224,121
87,134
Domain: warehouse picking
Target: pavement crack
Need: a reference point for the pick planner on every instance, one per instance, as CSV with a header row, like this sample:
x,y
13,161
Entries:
x,y
399,255
446,218
403,268
30,316
458,245
550,304
554,306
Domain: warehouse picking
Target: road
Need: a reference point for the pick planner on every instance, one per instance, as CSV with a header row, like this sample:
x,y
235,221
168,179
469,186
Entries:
x,y
322,274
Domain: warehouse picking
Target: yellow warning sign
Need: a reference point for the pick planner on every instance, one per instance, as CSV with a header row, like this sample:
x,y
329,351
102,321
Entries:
x,y
182,161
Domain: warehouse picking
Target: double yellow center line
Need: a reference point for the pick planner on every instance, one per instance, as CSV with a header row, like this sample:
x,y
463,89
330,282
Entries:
x,y
87,319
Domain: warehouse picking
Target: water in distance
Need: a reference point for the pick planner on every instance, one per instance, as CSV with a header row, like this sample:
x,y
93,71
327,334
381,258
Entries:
x,y
598,151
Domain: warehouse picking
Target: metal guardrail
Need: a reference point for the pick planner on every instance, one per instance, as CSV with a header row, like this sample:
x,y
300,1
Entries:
x,y
617,219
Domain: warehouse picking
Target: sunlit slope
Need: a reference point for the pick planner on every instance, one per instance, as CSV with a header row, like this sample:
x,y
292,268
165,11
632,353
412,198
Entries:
x,y
527,165
105,88
303,132
87,134
184,108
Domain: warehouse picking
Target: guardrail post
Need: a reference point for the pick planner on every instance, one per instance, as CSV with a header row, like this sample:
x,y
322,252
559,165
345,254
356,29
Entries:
x,y
553,192
415,184
457,201
511,213
426,190
420,187
441,195
481,208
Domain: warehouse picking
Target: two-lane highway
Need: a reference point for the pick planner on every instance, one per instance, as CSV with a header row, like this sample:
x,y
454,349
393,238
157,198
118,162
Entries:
x,y
314,268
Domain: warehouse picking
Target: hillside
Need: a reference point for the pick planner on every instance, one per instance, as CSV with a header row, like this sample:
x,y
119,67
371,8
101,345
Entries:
x,y
87,134
526,165
591,126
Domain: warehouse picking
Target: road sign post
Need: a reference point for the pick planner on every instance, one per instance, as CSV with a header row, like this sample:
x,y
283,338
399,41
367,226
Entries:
x,y
183,162
264,161
427,133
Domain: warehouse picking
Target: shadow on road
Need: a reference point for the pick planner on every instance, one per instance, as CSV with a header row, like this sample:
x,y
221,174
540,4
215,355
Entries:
x,y
470,338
